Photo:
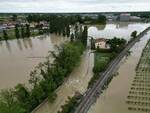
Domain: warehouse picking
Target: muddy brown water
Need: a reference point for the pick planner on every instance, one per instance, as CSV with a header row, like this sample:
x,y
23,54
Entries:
x,y
19,57
113,99
77,82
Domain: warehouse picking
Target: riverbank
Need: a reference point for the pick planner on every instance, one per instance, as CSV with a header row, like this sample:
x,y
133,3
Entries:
x,y
117,91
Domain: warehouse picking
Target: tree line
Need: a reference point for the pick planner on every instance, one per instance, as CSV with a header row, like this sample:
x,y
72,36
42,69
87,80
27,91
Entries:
x,y
19,31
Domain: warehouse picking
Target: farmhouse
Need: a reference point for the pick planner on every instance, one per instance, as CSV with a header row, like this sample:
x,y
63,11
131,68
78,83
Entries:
x,y
101,43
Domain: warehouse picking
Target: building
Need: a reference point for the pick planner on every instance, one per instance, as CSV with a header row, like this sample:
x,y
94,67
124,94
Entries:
x,y
125,17
101,43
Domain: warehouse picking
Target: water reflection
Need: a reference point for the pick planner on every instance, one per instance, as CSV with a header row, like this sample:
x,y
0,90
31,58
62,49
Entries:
x,y
19,45
100,27
122,25
21,56
27,42
8,46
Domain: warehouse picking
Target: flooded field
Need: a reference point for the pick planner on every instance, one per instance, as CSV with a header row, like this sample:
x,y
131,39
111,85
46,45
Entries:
x,y
138,98
118,29
113,99
19,57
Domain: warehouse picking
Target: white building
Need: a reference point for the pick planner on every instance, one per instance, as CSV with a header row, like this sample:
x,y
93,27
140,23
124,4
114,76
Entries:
x,y
101,43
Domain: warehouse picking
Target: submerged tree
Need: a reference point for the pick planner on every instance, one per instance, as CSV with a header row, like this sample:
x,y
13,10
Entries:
x,y
134,34
17,31
28,30
72,37
84,36
68,31
5,35
22,32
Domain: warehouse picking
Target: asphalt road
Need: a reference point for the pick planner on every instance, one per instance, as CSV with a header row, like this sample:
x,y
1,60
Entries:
x,y
92,94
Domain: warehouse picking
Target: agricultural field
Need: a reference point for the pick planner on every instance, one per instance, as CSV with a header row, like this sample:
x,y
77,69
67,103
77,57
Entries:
x,y
138,98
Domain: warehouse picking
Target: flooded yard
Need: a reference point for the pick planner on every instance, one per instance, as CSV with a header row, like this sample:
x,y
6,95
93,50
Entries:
x,y
113,99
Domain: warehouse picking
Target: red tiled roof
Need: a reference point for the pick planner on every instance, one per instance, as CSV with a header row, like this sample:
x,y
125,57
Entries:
x,y
100,40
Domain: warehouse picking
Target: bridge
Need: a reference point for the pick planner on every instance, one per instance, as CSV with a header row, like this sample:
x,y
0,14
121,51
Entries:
x,y
93,93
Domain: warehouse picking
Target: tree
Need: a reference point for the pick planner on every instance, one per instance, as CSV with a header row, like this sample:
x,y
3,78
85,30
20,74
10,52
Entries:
x,y
134,34
101,19
34,79
23,96
84,36
22,32
64,32
17,31
28,30
92,43
116,44
68,31
72,37
5,35
14,17
76,31
9,104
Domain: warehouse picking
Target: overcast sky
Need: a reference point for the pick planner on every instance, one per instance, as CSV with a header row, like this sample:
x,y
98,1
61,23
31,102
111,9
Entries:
x,y
73,5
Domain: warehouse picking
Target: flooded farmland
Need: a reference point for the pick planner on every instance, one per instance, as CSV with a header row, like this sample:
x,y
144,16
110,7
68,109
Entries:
x,y
19,57
118,29
113,99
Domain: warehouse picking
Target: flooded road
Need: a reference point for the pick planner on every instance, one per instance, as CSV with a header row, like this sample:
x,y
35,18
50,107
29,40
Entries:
x,y
113,99
19,57
77,82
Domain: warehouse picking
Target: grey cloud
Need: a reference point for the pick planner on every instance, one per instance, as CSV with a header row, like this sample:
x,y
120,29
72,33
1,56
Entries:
x,y
73,5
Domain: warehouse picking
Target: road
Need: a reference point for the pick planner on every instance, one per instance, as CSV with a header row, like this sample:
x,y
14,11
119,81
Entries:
x,y
92,94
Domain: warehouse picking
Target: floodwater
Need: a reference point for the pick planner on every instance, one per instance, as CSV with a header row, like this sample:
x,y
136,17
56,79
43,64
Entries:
x,y
19,57
113,99
117,29
77,82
